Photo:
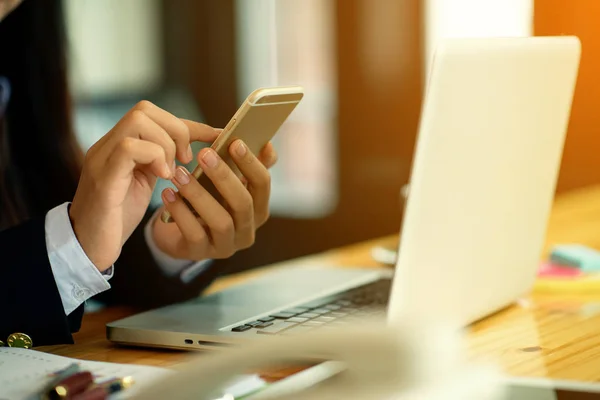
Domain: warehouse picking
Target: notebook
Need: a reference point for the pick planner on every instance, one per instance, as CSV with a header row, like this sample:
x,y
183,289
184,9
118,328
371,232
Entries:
x,y
23,373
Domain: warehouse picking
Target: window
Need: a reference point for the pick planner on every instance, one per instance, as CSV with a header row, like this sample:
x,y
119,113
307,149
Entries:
x,y
117,58
475,18
290,42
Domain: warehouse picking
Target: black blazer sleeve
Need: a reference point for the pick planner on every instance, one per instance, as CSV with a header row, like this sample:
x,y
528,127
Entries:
x,y
139,282
29,299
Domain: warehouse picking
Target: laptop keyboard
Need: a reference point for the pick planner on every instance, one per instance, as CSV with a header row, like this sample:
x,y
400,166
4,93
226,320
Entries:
x,y
332,311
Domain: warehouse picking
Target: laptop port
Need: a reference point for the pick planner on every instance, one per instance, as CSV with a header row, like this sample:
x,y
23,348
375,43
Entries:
x,y
212,344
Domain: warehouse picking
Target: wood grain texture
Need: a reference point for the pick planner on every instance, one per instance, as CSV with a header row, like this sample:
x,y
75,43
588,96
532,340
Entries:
x,y
556,336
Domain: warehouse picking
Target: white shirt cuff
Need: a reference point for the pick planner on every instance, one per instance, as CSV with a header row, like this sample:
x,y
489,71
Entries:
x,y
187,270
193,271
76,276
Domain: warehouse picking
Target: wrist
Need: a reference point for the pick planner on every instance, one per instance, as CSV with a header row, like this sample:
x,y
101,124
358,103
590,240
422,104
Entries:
x,y
86,245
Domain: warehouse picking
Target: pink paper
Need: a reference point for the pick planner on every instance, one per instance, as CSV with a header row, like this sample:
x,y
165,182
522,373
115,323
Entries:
x,y
550,270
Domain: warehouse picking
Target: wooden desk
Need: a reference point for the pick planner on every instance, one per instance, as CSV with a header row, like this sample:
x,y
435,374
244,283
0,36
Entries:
x,y
546,336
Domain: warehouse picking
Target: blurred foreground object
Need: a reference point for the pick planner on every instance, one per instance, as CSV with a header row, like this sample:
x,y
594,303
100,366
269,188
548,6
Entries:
x,y
379,362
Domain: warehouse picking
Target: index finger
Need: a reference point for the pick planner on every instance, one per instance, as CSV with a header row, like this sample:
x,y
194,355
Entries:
x,y
268,155
173,127
200,132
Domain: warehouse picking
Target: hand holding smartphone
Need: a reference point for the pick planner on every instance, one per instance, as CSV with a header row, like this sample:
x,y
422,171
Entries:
x,y
256,122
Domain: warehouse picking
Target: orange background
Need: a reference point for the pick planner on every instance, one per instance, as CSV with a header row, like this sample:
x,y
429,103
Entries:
x,y
581,159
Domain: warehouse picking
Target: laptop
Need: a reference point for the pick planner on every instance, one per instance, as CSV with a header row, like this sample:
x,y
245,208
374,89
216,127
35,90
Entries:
x,y
489,147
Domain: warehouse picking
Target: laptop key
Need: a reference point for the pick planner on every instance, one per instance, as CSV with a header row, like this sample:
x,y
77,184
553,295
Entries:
x,y
338,322
255,323
297,319
325,319
283,315
337,314
313,323
308,315
317,303
241,328
263,325
332,327
321,311
333,307
296,310
266,319
344,303
277,327
298,329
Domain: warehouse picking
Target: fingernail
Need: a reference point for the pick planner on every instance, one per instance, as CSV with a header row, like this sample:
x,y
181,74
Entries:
x,y
168,170
182,176
210,159
170,195
240,148
190,155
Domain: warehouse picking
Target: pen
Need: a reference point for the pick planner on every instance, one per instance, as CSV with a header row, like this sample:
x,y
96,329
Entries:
x,y
103,390
65,372
57,377
70,386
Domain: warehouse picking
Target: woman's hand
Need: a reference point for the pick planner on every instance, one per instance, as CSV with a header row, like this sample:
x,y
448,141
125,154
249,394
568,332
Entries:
x,y
221,230
119,175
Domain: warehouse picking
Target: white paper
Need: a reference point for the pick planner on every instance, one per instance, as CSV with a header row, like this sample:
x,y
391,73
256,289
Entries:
x,y
24,373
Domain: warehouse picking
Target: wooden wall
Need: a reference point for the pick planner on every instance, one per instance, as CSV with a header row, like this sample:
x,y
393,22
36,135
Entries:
x,y
581,160
200,54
